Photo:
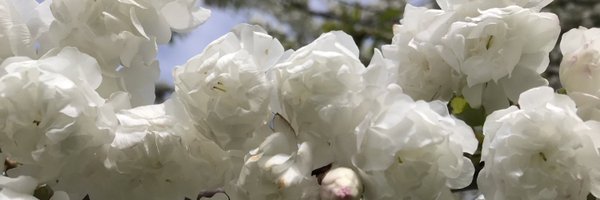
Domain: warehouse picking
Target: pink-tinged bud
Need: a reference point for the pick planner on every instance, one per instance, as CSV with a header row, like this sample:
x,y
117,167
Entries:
x,y
341,184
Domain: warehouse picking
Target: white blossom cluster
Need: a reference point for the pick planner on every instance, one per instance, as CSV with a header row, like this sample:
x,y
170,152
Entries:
x,y
487,51
578,70
120,34
540,150
252,120
325,104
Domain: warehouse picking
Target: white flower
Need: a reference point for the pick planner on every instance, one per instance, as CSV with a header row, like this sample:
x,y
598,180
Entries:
x,y
22,23
485,51
151,158
413,150
279,168
539,150
180,15
502,53
490,46
415,64
578,69
106,30
50,113
122,35
59,195
341,183
22,188
225,89
320,89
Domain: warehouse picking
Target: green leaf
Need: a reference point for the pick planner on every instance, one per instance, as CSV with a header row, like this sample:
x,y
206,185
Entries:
x,y
330,26
461,109
43,192
561,91
458,105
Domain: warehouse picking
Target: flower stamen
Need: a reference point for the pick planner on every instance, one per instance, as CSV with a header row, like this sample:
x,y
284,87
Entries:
x,y
543,156
220,86
490,42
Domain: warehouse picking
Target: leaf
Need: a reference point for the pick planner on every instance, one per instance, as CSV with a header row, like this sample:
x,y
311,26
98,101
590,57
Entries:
x,y
43,192
458,105
462,110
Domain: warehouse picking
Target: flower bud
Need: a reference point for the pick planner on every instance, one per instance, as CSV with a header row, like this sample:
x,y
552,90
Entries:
x,y
341,184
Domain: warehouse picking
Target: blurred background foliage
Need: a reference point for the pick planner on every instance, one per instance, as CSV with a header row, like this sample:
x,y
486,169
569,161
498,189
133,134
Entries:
x,y
298,22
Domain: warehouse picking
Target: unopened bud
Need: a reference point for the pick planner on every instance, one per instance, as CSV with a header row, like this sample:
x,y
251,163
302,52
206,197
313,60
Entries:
x,y
341,184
